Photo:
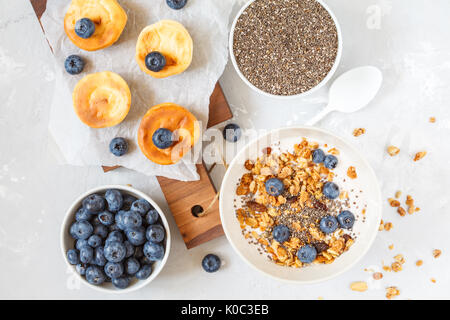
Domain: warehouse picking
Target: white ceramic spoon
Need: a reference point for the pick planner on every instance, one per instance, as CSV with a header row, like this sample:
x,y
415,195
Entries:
x,y
351,91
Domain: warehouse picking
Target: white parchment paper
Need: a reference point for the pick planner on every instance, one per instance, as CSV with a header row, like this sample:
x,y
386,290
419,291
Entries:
x,y
207,23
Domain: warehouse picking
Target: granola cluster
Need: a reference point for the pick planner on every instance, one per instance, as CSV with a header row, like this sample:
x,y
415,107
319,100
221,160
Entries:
x,y
300,206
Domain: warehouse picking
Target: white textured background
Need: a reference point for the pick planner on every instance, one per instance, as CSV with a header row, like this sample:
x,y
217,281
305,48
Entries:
x,y
407,39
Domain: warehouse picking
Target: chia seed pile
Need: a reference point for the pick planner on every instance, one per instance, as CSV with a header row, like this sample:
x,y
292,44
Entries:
x,y
285,47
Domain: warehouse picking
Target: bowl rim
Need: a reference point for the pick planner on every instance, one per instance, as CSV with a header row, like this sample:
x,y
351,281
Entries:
x,y
70,217
377,197
300,95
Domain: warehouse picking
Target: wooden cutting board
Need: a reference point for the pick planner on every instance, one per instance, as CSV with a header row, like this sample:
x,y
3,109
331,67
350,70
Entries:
x,y
187,199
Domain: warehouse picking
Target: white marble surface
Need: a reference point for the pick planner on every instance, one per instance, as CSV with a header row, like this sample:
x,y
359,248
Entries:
x,y
407,39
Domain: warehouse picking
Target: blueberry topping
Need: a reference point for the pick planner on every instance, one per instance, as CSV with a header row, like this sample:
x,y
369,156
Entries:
x,y
152,216
115,251
330,161
81,229
155,61
99,257
136,236
94,203
307,253
274,186
106,218
115,236
86,254
129,247
144,272
328,224
155,233
95,275
74,64
81,268
153,251
121,283
95,241
162,138
346,219
72,256
114,200
318,156
232,132
80,243
211,263
101,230
281,233
330,190
128,201
113,269
118,146
141,206
131,219
132,266
84,28
176,4
82,214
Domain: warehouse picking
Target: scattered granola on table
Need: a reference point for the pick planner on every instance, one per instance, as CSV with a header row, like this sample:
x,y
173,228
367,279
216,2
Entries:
x,y
393,151
291,208
437,253
359,131
392,292
359,286
419,155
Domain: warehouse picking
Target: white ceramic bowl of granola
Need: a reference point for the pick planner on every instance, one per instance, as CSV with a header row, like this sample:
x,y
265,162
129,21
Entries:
x,y
67,242
301,95
365,186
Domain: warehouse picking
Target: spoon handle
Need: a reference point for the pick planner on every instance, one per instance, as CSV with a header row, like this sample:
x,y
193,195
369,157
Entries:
x,y
319,116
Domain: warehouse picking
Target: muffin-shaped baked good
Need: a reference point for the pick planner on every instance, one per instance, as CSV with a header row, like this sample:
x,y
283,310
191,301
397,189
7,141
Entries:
x,y
168,39
101,99
94,24
167,132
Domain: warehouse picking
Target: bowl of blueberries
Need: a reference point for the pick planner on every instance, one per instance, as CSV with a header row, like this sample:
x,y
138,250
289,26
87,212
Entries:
x,y
115,238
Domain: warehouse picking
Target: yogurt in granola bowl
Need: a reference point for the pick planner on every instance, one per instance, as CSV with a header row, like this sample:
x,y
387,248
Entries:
x,y
300,204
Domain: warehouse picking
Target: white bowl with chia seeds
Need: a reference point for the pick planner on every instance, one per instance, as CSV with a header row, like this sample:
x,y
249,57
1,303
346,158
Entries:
x,y
285,49
364,201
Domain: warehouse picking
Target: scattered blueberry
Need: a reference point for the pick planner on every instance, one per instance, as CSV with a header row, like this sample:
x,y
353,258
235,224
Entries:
x,y
80,243
99,257
115,236
95,275
318,156
84,28
94,203
132,266
152,216
274,187
115,251
82,214
101,230
211,263
281,233
74,64
81,268
121,283
232,132
328,224
136,236
346,219
144,272
81,229
330,161
114,199
176,4
155,61
162,138
307,253
72,256
129,247
113,269
155,233
141,206
86,254
330,190
131,219
95,241
106,218
118,146
153,251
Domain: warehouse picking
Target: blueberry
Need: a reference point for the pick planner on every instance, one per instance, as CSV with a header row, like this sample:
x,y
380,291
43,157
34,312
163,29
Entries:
x,y
81,268
330,190
131,219
155,233
328,224
95,275
144,272
346,219
114,200
80,243
155,61
115,236
128,201
138,252
113,269
119,219
176,4
72,256
318,156
211,263
141,206
101,230
144,261
307,253
95,241
86,254
82,214
113,227
74,64
162,138
274,187
330,161
94,203
152,216
121,283
281,233
84,28
106,218
132,266
153,251
232,132
129,247
118,146
99,257
81,229
115,251
136,236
